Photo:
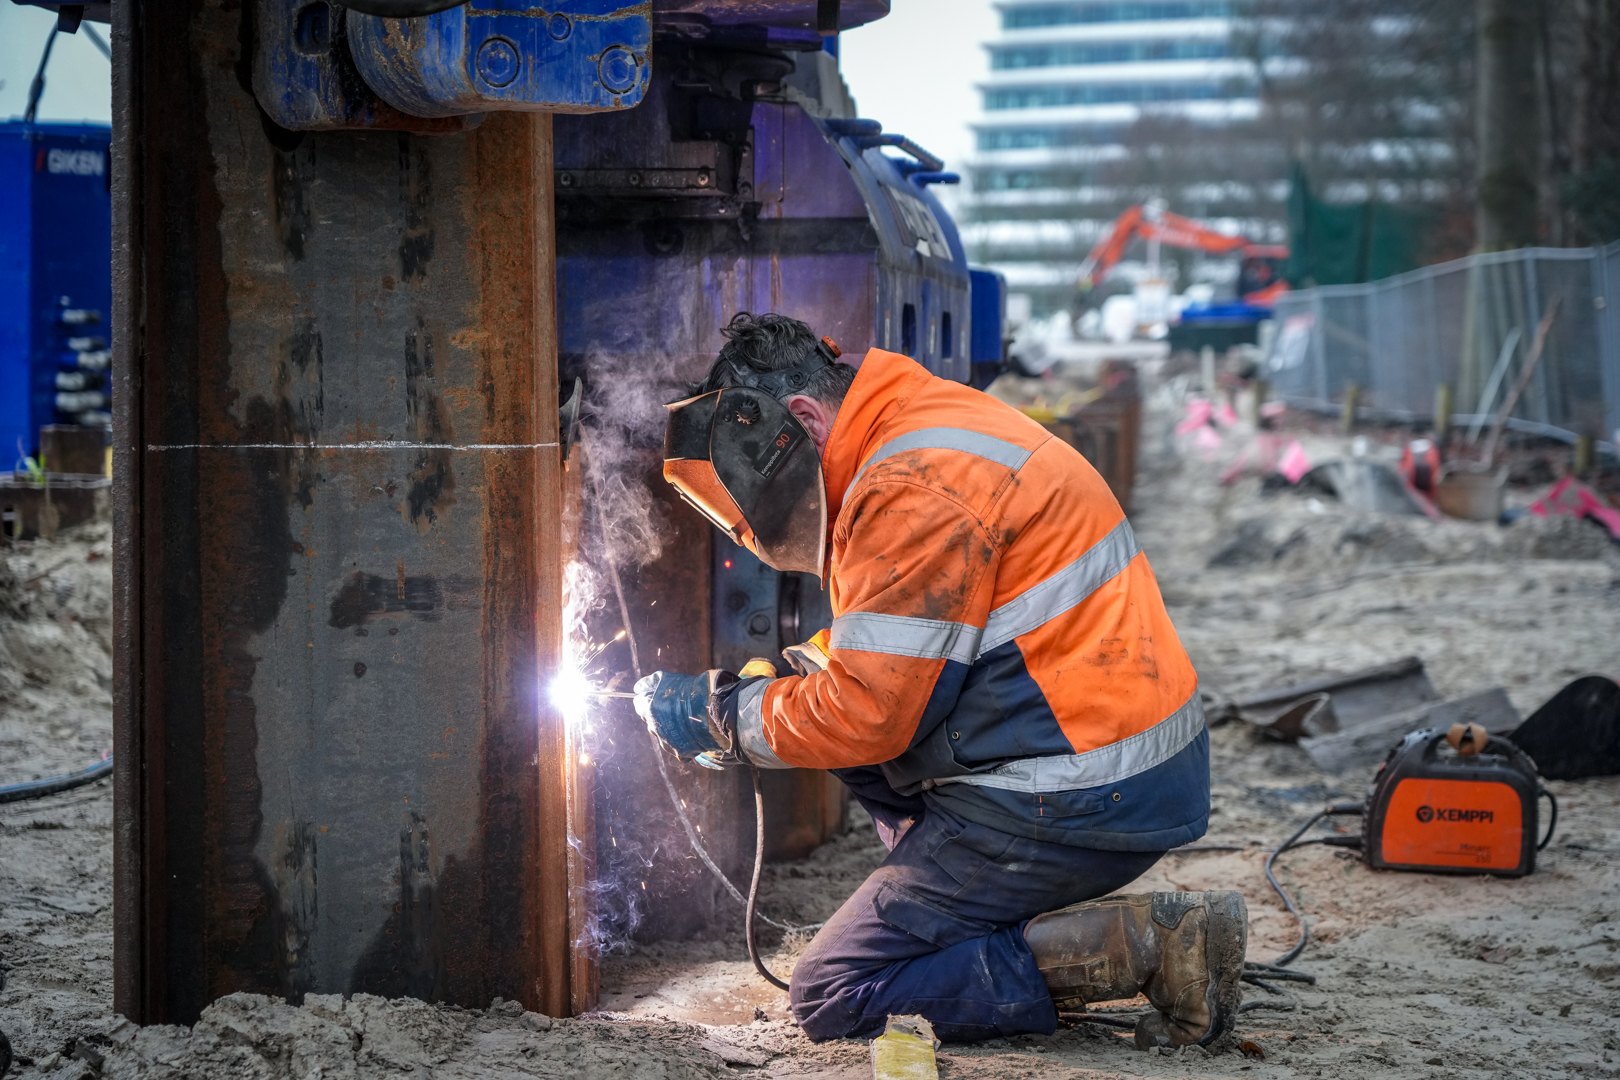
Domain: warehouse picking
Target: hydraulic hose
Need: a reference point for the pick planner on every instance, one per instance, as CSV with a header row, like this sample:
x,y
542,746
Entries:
x,y
50,785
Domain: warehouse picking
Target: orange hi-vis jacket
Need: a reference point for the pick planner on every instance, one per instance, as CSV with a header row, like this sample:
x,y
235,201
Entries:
x,y
999,640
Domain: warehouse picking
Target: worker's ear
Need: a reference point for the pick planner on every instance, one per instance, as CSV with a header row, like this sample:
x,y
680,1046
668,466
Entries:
x,y
816,416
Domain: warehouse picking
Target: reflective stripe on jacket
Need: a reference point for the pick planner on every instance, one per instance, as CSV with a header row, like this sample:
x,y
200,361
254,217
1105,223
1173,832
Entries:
x,y
995,623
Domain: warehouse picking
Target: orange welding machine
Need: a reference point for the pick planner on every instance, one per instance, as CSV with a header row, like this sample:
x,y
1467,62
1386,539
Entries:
x,y
1458,801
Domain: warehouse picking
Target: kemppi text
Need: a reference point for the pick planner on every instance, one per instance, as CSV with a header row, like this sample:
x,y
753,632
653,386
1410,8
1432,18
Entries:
x,y
1427,814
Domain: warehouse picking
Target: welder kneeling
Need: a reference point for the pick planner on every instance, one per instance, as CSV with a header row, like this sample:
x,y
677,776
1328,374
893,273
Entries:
x,y
1001,688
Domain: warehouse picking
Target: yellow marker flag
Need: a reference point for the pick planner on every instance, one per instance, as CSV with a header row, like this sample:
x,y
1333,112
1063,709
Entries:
x,y
905,1050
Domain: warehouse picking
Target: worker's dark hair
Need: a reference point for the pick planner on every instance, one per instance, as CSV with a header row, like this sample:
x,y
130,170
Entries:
x,y
770,343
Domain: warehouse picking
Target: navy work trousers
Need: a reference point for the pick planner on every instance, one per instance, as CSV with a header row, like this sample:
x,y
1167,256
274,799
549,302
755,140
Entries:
x,y
938,928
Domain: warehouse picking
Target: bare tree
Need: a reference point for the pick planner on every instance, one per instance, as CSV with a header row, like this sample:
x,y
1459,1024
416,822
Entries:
x,y
1510,133
1373,97
1591,188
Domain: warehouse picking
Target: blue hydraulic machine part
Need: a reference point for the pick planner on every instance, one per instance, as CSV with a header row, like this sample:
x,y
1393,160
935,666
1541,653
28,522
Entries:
x,y
988,350
725,192
55,281
399,64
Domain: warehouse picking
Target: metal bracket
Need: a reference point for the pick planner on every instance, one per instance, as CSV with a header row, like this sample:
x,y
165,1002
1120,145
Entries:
x,y
575,56
322,66
305,79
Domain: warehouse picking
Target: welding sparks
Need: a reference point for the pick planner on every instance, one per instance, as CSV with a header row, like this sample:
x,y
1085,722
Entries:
x,y
575,688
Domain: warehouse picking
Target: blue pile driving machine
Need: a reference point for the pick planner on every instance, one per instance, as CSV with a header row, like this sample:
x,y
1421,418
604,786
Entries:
x,y
55,281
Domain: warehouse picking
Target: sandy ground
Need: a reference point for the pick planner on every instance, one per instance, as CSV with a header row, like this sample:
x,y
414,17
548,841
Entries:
x,y
1418,975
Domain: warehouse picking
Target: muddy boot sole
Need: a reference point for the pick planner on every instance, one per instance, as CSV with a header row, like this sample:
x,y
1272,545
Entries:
x,y
1226,939
1228,942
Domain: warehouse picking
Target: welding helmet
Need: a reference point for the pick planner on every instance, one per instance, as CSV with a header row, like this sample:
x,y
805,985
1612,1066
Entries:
x,y
746,463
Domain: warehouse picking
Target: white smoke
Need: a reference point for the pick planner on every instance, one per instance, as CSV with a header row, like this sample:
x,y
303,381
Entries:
x,y
620,526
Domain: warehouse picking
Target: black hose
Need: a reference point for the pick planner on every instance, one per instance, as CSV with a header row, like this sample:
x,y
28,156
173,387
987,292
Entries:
x,y
1125,1023
37,87
97,40
1254,969
753,886
1288,901
1290,1003
1255,972
35,789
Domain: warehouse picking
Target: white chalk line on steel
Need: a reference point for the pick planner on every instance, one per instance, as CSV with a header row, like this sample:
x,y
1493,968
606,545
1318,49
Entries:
x,y
373,445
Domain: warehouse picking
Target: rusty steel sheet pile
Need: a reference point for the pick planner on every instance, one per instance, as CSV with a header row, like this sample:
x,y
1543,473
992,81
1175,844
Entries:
x,y
338,553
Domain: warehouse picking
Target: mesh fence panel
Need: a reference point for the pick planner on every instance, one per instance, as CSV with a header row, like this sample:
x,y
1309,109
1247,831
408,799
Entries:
x,y
1469,324
1608,304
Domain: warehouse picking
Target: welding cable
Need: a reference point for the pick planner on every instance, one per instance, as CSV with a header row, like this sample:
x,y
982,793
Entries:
x,y
50,785
1290,1003
1257,973
1288,901
1125,1021
658,750
1277,969
703,854
749,902
753,886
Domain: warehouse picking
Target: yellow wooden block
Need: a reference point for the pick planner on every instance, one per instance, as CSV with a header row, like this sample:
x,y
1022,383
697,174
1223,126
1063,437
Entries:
x,y
905,1050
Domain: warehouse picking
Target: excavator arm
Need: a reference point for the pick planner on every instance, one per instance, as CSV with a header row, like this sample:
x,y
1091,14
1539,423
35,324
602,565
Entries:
x,y
1153,223
1107,252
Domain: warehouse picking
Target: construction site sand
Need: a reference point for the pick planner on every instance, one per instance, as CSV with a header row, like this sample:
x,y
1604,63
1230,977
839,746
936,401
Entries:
x,y
1418,975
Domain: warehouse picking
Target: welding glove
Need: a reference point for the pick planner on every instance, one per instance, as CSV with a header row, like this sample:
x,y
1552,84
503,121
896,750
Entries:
x,y
686,714
693,715
811,657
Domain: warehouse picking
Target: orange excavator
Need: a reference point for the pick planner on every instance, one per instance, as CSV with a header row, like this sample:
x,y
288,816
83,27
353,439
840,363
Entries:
x,y
1259,278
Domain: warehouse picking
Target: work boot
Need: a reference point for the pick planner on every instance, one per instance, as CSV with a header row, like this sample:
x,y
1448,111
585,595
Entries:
x,y
1184,950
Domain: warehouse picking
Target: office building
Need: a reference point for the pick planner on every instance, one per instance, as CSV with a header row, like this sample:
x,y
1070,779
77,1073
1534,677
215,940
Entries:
x,y
1082,99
